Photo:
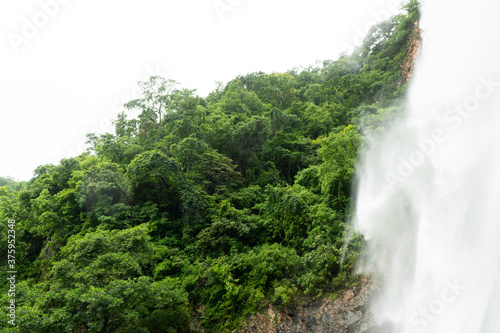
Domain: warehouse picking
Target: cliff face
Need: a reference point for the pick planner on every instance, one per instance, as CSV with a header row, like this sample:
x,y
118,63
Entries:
x,y
414,47
348,313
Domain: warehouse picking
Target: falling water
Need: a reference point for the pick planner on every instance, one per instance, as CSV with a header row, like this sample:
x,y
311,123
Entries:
x,y
428,200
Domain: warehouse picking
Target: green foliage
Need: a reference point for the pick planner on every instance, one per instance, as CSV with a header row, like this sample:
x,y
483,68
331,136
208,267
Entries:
x,y
153,177
10,185
203,211
289,153
134,305
339,153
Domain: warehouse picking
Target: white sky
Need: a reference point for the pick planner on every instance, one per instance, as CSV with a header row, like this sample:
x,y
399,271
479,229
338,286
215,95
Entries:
x,y
69,75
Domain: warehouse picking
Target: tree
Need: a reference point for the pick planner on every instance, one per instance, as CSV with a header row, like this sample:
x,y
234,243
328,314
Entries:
x,y
102,189
249,137
290,153
157,101
339,152
154,177
97,285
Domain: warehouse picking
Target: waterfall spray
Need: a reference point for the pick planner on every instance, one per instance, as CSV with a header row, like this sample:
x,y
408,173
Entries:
x,y
428,201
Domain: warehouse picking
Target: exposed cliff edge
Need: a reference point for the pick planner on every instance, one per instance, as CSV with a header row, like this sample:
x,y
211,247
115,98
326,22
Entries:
x,y
414,47
348,313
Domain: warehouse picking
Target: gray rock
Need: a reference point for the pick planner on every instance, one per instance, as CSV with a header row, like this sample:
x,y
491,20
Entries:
x,y
348,313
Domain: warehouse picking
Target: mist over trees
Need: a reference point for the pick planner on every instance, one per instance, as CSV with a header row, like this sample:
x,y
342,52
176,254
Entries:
x,y
204,210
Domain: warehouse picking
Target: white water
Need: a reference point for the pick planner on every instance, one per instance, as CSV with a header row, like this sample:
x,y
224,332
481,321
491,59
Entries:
x,y
428,200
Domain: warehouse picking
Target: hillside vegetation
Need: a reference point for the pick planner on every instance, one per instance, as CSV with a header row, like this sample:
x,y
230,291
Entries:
x,y
203,210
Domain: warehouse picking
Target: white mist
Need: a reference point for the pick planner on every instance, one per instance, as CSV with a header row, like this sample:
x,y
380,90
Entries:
x,y
428,201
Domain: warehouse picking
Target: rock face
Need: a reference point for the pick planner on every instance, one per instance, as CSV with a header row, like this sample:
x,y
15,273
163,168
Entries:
x,y
414,47
348,313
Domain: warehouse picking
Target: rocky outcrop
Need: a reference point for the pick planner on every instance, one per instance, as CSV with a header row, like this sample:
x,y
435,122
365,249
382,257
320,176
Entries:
x,y
414,47
348,313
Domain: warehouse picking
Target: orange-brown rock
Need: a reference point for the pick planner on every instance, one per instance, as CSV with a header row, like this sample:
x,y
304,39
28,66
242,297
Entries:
x,y
414,48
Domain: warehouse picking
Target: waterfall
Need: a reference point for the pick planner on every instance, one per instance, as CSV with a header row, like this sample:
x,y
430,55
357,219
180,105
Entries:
x,y
428,199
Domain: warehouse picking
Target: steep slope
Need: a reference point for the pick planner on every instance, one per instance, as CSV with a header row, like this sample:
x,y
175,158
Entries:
x,y
348,313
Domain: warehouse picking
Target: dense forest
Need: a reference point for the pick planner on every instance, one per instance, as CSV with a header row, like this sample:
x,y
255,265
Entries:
x,y
202,211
